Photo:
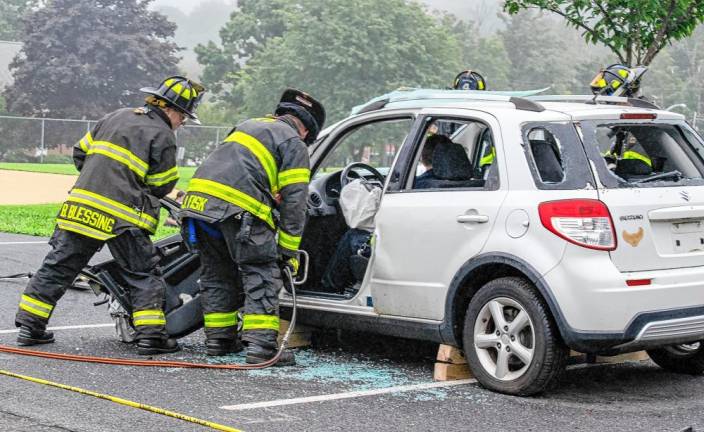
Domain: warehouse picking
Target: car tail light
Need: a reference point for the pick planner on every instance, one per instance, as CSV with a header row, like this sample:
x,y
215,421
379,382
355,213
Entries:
x,y
638,116
584,222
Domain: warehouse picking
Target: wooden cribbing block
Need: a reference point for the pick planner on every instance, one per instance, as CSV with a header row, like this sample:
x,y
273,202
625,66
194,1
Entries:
x,y
578,358
451,372
632,357
451,364
300,337
450,354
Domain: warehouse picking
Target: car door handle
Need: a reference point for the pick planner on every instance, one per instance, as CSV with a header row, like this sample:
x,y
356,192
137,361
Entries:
x,y
472,218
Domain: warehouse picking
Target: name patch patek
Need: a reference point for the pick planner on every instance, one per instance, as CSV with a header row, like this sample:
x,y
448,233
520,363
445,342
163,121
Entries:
x,y
87,217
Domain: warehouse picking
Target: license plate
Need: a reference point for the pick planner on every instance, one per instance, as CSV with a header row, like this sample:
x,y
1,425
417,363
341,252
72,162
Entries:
x,y
688,237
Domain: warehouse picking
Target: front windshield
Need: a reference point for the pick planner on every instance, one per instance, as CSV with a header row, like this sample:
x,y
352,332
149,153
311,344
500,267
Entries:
x,y
630,154
374,144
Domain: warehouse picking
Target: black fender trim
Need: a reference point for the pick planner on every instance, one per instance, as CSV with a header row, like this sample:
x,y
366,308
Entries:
x,y
579,341
387,326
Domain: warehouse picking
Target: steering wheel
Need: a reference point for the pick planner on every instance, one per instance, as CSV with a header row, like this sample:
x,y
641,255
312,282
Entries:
x,y
346,175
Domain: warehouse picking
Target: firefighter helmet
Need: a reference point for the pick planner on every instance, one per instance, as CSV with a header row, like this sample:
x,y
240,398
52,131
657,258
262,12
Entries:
x,y
469,80
618,80
306,109
177,92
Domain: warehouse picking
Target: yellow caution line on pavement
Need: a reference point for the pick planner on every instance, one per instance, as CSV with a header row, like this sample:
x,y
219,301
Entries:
x,y
125,402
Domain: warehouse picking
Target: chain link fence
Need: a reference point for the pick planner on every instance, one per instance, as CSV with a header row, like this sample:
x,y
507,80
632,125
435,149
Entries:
x,y
50,140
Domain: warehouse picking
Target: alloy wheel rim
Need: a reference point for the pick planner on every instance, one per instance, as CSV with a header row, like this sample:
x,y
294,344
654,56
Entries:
x,y
504,339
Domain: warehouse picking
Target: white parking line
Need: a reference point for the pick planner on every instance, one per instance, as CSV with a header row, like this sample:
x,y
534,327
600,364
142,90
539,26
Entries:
x,y
347,395
23,242
73,327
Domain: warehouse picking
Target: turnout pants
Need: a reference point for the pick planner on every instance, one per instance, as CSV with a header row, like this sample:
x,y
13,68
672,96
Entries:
x,y
239,259
133,251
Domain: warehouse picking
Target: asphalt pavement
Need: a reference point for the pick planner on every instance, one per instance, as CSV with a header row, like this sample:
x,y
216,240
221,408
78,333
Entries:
x,y
351,382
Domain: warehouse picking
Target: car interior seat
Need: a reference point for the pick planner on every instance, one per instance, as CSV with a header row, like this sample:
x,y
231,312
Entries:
x,y
632,168
452,168
547,160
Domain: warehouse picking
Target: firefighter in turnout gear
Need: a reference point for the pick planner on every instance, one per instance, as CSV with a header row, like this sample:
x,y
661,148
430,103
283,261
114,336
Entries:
x,y
127,162
245,211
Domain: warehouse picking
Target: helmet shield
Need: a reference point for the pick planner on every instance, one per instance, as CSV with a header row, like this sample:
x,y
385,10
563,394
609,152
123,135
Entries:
x,y
180,93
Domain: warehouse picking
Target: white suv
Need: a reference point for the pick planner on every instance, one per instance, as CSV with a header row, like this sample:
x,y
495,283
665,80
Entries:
x,y
562,223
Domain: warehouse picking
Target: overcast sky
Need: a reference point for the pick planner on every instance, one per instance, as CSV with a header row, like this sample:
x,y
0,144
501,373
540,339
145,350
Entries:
x,y
185,5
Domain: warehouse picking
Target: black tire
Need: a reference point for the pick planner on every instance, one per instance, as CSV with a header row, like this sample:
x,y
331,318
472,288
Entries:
x,y
549,352
684,359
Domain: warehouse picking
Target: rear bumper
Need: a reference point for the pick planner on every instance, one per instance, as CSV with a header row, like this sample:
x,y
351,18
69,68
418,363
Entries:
x,y
647,330
598,311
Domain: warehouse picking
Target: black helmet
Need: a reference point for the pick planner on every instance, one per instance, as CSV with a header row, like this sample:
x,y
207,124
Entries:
x,y
180,93
306,109
469,80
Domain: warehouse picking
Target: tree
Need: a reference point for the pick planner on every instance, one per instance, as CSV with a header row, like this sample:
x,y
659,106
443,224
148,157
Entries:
x,y
82,58
11,13
249,28
635,30
537,57
345,52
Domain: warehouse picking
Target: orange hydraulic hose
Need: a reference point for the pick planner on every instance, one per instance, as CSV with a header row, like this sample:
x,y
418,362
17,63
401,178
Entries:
x,y
132,362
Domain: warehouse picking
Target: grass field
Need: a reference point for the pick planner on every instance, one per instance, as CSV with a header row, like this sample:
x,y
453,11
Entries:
x,y
185,172
67,169
39,220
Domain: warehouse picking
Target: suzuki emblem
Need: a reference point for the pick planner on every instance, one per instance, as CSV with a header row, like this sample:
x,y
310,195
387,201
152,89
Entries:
x,y
685,195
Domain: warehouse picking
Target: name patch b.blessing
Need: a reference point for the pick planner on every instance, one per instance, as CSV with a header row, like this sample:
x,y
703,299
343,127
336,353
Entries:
x,y
87,217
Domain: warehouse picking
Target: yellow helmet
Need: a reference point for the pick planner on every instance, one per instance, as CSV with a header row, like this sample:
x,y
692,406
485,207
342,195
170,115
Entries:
x,y
617,80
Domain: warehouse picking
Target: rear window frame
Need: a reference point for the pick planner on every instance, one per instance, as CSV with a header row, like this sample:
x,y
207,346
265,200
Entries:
x,y
607,178
577,174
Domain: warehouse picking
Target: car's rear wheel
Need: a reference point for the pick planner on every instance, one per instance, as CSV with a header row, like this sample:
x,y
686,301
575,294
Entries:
x,y
510,341
683,358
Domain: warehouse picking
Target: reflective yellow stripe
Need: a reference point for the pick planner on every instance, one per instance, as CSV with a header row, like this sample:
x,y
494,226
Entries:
x,y
220,319
488,159
36,307
265,119
635,155
266,159
119,154
82,229
162,178
149,322
39,303
148,317
289,241
86,142
147,312
34,311
233,196
297,175
114,208
261,322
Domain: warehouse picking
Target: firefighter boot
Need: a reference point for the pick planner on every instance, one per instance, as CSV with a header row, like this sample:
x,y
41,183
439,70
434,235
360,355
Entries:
x,y
28,336
221,347
258,354
149,346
